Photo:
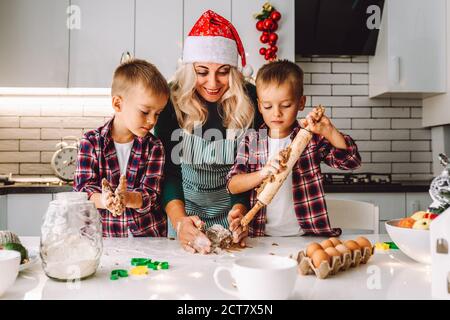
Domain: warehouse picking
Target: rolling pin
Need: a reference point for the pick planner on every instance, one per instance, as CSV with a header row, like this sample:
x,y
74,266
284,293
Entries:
x,y
272,183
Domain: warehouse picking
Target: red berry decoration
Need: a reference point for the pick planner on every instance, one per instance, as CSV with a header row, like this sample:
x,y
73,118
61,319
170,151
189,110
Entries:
x,y
267,24
274,26
260,25
273,37
264,38
275,15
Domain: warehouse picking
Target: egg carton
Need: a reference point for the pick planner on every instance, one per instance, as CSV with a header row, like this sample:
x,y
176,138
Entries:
x,y
348,260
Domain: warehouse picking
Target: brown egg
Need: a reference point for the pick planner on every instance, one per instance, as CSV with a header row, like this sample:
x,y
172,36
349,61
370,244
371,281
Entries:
x,y
363,243
319,256
326,244
332,252
313,246
342,249
335,241
352,245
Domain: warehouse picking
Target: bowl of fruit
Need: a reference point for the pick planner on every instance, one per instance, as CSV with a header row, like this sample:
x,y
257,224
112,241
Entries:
x,y
412,235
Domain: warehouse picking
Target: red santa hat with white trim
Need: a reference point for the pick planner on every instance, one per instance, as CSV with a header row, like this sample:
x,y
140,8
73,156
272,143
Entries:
x,y
214,39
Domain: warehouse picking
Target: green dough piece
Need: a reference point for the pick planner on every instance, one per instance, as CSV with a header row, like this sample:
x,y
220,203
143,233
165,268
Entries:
x,y
140,261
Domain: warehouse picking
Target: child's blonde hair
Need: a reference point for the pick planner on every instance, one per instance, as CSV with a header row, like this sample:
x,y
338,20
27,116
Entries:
x,y
280,72
236,106
139,72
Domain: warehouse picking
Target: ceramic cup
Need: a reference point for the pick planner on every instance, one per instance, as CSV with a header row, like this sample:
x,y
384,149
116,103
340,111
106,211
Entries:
x,y
9,266
265,277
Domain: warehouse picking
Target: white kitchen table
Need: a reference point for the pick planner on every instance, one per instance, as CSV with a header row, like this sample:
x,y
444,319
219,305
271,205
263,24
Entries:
x,y
389,275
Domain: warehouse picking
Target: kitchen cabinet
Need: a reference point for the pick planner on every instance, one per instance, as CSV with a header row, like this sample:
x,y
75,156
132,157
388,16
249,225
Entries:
x,y
391,205
417,202
2,212
25,213
162,48
107,31
410,56
436,109
34,43
79,43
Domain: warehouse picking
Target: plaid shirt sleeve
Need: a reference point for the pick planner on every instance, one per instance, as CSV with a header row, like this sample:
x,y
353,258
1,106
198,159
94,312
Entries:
x,y
345,159
241,162
150,184
86,177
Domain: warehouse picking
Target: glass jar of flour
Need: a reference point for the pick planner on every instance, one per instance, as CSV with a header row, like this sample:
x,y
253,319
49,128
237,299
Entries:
x,y
71,237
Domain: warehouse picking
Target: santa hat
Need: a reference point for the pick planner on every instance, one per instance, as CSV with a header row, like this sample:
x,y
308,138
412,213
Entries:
x,y
214,39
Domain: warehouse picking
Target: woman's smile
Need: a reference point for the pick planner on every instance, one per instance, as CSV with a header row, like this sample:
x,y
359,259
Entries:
x,y
212,92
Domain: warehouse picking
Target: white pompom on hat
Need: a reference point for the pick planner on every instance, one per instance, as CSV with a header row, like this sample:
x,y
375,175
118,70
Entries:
x,y
214,39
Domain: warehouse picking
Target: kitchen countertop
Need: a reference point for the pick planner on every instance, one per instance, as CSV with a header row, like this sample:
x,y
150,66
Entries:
x,y
34,188
386,276
406,186
398,186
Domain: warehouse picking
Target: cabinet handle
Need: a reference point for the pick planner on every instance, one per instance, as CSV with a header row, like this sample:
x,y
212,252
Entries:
x,y
394,71
415,206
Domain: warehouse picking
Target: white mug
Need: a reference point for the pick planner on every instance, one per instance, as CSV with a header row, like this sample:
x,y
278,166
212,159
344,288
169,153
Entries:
x,y
262,277
9,268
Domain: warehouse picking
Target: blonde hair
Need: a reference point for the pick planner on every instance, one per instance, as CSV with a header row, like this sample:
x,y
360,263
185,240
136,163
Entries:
x,y
236,107
135,72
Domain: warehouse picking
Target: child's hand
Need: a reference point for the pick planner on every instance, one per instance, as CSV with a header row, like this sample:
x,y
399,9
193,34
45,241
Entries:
x,y
121,191
107,197
234,219
113,202
318,125
272,167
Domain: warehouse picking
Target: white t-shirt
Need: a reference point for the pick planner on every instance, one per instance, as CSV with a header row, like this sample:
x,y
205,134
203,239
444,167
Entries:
x,y
123,151
281,218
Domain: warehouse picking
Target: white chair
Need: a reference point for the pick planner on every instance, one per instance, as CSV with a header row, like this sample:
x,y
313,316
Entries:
x,y
353,215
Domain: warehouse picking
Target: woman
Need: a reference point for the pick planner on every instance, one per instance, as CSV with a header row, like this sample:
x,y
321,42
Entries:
x,y
211,106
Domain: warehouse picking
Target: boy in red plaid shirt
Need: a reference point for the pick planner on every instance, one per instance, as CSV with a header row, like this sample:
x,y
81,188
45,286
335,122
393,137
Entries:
x,y
299,206
124,155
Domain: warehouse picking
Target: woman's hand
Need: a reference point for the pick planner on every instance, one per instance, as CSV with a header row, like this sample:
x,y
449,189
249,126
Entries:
x,y
234,219
191,238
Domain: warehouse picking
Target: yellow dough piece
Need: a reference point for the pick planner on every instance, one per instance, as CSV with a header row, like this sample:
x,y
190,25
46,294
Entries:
x,y
139,271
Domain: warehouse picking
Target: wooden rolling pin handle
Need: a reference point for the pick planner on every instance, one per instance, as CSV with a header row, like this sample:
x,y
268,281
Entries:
x,y
251,214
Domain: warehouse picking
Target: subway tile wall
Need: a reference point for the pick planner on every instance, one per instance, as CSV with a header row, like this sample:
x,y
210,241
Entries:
x,y
31,126
388,131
